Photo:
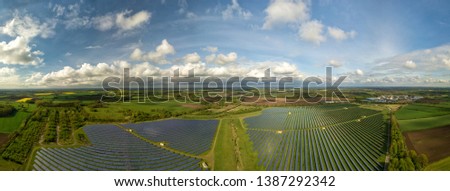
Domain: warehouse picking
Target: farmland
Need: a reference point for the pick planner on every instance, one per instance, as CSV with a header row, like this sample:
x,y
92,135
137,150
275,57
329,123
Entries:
x,y
73,130
443,164
426,131
342,137
433,142
11,123
415,117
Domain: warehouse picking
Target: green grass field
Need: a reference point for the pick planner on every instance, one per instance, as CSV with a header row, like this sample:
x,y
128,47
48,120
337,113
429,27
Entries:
x,y
415,111
424,123
443,164
224,156
115,111
10,124
415,117
8,166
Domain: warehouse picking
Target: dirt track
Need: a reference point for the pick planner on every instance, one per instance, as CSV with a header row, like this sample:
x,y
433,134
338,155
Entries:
x,y
432,142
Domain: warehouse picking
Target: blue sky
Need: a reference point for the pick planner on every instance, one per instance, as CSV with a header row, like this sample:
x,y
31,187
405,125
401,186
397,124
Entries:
x,y
78,43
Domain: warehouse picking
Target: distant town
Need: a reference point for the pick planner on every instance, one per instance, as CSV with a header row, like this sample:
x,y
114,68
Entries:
x,y
394,99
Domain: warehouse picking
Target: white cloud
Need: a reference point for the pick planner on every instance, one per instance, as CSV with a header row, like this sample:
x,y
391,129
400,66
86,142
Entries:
x,y
210,58
211,49
90,74
283,68
103,23
312,31
28,27
235,10
68,54
24,28
93,47
339,34
9,77
429,60
410,64
285,12
77,22
86,74
446,62
191,15
192,58
158,56
183,6
335,63
18,51
359,72
71,16
59,10
125,21
226,59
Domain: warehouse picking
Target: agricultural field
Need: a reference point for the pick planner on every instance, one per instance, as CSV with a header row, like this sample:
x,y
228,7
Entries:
x,y
441,165
62,130
432,142
335,137
426,128
415,117
113,148
11,123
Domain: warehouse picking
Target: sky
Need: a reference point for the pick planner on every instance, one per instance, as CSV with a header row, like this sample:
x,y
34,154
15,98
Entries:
x,y
46,44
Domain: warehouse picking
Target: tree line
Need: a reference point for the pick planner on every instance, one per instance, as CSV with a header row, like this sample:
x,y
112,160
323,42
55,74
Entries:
x,y
402,159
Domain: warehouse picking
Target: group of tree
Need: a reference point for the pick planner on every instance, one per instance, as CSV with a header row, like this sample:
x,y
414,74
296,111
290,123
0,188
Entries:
x,y
402,159
22,141
6,110
62,122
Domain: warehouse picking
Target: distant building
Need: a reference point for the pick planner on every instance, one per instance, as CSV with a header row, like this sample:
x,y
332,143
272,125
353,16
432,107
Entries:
x,y
393,99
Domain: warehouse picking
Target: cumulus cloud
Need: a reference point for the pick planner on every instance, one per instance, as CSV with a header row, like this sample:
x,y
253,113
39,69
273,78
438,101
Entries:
x,y
125,21
339,34
312,31
192,58
19,52
158,56
23,28
234,9
359,72
226,59
446,62
285,12
9,77
335,63
410,64
296,13
210,58
92,74
86,74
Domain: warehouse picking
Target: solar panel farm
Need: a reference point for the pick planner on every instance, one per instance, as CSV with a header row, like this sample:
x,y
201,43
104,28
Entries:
x,y
56,131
